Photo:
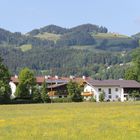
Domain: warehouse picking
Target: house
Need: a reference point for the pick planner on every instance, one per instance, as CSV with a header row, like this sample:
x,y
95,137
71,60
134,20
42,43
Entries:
x,y
58,90
15,81
114,90
57,86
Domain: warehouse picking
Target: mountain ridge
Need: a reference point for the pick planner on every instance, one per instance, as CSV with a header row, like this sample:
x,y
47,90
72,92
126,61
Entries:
x,y
86,49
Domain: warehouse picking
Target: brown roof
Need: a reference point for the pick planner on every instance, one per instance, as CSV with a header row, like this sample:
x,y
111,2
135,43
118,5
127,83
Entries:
x,y
57,85
40,79
120,83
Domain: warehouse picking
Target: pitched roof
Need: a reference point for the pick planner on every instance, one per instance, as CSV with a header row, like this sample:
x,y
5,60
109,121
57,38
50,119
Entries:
x,y
40,79
60,80
57,85
120,83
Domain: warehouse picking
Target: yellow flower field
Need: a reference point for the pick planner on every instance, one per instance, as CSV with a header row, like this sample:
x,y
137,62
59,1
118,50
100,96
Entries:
x,y
70,121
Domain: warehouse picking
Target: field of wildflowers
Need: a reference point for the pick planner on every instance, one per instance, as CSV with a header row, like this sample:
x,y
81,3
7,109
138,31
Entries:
x,y
70,121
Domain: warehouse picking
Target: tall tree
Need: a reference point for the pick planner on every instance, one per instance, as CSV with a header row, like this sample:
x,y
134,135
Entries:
x,y
26,83
133,73
136,61
36,95
130,74
44,93
4,83
74,91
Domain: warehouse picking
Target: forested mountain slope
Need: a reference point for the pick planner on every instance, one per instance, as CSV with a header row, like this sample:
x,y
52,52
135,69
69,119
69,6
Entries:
x,y
82,50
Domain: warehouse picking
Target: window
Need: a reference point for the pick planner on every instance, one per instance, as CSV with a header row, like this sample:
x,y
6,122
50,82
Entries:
x,y
60,96
99,89
109,96
116,89
109,91
125,95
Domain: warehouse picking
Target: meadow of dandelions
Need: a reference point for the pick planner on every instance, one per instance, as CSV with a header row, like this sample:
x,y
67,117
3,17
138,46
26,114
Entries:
x,y
70,121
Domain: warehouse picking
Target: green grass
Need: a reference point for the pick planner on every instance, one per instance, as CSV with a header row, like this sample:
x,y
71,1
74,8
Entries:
x,y
109,35
26,47
71,121
87,47
49,36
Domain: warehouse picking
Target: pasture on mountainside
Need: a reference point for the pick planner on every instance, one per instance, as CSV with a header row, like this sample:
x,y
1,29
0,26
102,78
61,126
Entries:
x,y
71,121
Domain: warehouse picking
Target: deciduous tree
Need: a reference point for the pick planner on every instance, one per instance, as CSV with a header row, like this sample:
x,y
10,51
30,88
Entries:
x,y
133,73
74,91
26,83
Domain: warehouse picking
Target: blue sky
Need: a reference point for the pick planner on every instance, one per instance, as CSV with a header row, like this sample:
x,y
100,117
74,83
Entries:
x,y
121,16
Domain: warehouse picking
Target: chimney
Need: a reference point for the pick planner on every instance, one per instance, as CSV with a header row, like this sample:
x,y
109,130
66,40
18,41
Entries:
x,y
56,77
71,77
84,77
46,77
16,76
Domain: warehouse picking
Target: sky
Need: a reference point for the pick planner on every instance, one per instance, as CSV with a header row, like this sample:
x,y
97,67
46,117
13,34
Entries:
x,y
119,16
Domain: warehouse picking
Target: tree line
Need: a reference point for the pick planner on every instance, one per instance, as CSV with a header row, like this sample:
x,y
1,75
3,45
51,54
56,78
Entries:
x,y
63,57
133,72
66,61
28,91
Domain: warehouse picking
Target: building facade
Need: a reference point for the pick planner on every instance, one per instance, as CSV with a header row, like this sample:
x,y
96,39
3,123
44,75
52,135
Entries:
x,y
114,90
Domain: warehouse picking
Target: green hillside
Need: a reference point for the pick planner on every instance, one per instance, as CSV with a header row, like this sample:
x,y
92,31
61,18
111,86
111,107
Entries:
x,y
136,36
108,35
48,36
26,47
86,35
82,50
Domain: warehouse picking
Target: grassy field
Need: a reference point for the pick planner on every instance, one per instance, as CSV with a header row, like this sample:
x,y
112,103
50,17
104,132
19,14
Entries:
x,y
49,36
26,47
72,121
109,35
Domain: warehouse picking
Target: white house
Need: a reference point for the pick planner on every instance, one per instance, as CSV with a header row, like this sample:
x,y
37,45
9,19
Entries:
x,y
13,89
114,90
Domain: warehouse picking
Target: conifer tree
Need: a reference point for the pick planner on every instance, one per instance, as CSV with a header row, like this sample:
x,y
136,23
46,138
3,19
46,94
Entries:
x,y
5,90
44,93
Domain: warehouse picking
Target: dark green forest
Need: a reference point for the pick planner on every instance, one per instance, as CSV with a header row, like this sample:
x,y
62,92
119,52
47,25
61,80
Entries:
x,y
87,49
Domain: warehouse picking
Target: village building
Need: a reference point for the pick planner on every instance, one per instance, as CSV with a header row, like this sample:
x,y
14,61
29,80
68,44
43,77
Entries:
x,y
114,90
56,86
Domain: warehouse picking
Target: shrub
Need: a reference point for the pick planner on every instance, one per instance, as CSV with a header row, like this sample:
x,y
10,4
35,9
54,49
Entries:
x,y
36,95
101,96
61,100
92,99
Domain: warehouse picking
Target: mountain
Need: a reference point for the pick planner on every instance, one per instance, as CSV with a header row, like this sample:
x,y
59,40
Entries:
x,y
59,30
49,29
82,50
16,39
55,36
136,36
86,34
